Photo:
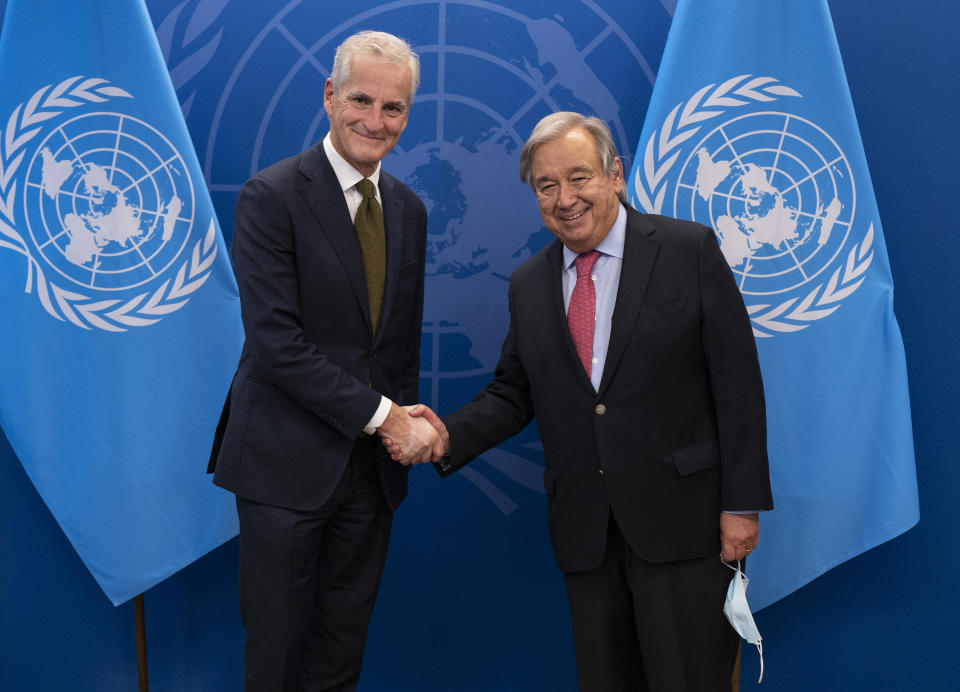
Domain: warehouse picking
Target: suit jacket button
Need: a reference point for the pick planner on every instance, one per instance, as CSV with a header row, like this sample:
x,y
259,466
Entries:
x,y
600,409
601,471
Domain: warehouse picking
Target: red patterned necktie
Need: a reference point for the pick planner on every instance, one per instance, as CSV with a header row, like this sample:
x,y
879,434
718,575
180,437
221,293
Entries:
x,y
581,313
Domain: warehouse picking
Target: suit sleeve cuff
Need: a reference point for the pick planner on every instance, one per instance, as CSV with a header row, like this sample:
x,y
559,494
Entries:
x,y
379,416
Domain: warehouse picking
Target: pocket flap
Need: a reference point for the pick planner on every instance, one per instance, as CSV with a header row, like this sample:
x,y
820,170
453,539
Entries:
x,y
696,457
409,268
666,307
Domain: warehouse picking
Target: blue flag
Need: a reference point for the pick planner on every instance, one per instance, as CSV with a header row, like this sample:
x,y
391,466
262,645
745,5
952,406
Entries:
x,y
121,325
751,130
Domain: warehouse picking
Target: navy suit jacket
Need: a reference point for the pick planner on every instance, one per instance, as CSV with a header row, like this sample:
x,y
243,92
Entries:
x,y
312,371
676,432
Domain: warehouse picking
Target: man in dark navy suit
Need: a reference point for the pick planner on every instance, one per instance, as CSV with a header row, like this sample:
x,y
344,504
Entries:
x,y
630,343
329,255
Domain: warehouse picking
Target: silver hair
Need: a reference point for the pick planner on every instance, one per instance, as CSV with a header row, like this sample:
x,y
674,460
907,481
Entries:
x,y
555,126
378,44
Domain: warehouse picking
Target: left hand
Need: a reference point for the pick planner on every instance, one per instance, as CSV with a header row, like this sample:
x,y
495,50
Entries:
x,y
739,535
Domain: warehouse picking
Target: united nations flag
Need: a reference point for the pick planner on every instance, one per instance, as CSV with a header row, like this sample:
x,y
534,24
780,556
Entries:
x,y
121,323
751,130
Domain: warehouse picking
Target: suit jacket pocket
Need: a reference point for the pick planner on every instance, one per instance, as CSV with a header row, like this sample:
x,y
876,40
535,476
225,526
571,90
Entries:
x,y
697,457
410,268
261,381
666,307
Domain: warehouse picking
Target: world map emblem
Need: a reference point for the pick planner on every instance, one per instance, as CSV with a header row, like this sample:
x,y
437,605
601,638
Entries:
x,y
776,188
489,72
102,206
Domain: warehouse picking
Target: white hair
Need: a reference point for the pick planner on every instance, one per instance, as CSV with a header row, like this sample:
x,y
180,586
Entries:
x,y
378,44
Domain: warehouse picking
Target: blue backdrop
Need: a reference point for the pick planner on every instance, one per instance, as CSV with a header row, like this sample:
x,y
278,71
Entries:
x,y
471,599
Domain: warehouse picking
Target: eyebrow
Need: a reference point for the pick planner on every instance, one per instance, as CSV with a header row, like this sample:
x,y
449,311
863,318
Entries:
x,y
568,172
361,93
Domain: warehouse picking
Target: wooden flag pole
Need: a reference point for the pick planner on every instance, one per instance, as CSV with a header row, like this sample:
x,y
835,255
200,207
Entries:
x,y
735,678
142,681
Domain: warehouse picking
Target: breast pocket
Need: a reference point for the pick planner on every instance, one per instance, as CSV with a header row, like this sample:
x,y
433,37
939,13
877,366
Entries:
x,y
663,308
409,269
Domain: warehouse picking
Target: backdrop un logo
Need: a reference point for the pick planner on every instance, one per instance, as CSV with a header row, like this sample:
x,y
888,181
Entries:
x,y
777,189
107,205
489,73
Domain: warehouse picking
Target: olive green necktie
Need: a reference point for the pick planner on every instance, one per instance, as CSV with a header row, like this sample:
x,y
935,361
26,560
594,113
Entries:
x,y
369,225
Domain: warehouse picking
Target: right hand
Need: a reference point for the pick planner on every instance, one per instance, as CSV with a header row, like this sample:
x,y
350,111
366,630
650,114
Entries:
x,y
409,439
442,446
422,413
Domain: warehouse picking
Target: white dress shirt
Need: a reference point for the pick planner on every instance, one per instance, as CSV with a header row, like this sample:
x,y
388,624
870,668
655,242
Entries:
x,y
348,177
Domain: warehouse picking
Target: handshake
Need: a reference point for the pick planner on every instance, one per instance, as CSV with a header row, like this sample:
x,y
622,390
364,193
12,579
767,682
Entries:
x,y
414,435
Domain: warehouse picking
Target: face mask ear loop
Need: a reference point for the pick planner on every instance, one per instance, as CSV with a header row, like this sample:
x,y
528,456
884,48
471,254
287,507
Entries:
x,y
727,564
759,646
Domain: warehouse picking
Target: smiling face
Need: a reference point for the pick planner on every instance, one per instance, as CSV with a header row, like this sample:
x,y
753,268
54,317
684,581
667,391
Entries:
x,y
370,111
578,200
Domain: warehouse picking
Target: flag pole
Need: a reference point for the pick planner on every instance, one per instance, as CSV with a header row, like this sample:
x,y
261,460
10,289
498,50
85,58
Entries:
x,y
142,682
735,678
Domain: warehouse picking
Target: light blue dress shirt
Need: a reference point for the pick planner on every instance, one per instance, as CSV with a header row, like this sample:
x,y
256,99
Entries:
x,y
606,279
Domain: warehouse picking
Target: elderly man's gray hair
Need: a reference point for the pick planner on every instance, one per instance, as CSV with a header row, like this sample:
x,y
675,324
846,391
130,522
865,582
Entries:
x,y
555,126
377,44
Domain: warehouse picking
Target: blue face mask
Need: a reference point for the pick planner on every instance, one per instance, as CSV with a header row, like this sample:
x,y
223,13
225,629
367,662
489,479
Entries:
x,y
738,611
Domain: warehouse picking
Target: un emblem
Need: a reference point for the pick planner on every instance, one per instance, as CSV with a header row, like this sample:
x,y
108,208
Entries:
x,y
776,188
490,71
107,210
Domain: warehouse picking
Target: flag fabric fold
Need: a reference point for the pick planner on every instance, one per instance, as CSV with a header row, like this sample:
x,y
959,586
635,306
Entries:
x,y
751,130
121,322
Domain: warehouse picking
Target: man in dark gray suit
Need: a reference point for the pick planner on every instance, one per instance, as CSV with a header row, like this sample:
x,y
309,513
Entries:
x,y
329,255
630,343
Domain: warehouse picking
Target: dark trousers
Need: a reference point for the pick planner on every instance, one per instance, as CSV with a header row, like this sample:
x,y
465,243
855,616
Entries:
x,y
308,582
651,627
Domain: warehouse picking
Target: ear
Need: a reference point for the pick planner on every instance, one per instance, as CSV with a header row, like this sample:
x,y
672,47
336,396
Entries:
x,y
618,174
328,96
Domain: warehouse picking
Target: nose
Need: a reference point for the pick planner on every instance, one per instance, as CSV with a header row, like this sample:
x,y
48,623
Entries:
x,y
566,197
373,120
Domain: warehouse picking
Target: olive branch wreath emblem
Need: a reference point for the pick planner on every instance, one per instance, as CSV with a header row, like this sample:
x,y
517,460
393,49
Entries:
x,y
660,155
112,315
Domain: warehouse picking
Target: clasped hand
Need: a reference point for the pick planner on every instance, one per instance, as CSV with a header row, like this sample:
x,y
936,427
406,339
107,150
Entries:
x,y
414,434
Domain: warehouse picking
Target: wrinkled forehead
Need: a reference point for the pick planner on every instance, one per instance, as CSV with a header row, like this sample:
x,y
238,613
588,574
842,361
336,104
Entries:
x,y
574,152
367,70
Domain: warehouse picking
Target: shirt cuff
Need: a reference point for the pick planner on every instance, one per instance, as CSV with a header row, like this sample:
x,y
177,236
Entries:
x,y
379,416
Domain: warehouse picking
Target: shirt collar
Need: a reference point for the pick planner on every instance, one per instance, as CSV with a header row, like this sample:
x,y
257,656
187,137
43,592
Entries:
x,y
611,245
347,175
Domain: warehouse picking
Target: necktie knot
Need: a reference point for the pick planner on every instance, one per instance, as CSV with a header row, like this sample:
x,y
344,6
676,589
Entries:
x,y
585,262
365,188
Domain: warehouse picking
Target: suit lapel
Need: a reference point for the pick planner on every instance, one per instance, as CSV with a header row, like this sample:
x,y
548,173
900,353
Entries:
x,y
323,195
393,228
553,281
639,254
